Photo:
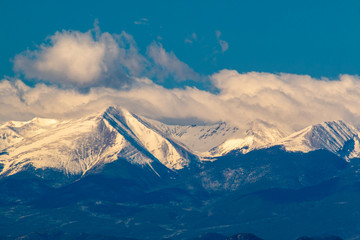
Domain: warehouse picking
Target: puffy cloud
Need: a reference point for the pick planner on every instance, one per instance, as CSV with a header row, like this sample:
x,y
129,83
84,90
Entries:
x,y
166,64
112,70
95,59
72,57
145,97
288,100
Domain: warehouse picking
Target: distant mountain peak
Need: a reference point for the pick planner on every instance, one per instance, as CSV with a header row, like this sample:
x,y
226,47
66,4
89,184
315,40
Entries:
x,y
329,135
259,134
77,145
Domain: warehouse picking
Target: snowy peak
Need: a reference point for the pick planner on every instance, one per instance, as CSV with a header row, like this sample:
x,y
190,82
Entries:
x,y
259,134
332,136
199,138
71,146
75,146
15,131
264,132
145,137
209,141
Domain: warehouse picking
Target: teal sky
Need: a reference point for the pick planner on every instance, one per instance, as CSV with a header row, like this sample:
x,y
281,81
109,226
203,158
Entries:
x,y
319,38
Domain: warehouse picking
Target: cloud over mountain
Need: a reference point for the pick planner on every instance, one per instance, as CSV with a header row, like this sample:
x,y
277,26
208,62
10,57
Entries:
x,y
83,72
288,100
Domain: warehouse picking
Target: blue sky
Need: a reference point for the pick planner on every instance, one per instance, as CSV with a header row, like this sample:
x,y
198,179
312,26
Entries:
x,y
319,38
292,63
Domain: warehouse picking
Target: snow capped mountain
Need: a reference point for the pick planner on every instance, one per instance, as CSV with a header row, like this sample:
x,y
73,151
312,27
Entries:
x,y
200,138
221,138
146,138
121,167
15,131
333,136
259,134
76,146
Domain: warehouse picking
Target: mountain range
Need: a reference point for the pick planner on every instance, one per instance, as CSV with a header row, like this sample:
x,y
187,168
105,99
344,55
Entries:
x,y
78,145
121,174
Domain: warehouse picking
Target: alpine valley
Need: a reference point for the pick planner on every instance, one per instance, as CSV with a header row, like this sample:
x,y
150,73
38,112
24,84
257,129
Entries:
x,y
117,175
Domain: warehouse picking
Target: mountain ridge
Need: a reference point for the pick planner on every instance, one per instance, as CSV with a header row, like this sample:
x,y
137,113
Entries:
x,y
121,174
77,145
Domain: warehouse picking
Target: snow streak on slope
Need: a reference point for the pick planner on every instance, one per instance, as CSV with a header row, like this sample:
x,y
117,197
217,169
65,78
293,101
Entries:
x,y
199,138
76,146
14,131
332,136
221,138
71,146
147,137
259,134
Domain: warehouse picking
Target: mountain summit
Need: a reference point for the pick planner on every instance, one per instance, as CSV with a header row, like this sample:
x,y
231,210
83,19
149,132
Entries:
x,y
335,136
78,145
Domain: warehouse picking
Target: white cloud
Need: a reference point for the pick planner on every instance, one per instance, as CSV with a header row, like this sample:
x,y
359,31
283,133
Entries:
x,y
223,44
74,56
75,59
166,64
113,71
94,59
287,100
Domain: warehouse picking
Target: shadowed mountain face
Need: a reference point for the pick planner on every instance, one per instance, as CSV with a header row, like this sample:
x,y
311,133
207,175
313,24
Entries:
x,y
243,236
115,175
320,238
239,236
57,235
295,193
